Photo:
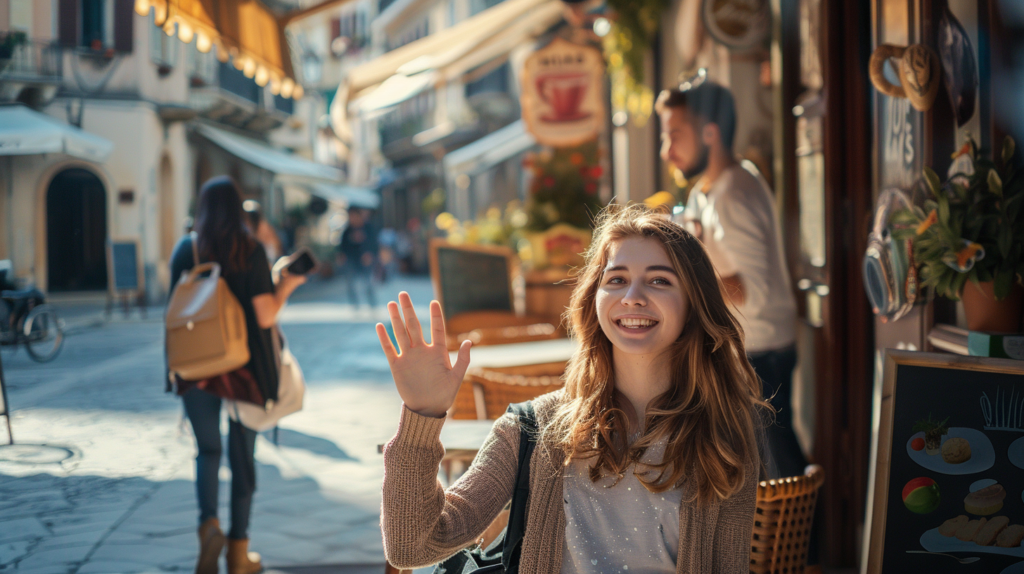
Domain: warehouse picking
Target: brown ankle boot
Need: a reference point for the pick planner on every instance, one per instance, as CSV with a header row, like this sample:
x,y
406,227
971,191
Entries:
x,y
240,560
211,542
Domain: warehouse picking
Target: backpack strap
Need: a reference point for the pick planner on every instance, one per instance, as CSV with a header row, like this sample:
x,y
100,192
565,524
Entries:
x,y
516,530
195,247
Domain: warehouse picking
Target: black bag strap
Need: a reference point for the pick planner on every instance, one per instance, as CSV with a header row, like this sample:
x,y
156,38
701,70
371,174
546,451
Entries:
x,y
516,529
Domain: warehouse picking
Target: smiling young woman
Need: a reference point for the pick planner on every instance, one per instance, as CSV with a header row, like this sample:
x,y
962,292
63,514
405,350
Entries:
x,y
647,460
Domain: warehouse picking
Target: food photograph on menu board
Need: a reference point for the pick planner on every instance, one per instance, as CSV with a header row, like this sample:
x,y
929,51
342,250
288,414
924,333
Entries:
x,y
948,482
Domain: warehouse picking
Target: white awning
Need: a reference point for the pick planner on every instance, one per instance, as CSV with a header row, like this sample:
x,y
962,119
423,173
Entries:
x,y
26,132
350,195
285,165
443,56
489,150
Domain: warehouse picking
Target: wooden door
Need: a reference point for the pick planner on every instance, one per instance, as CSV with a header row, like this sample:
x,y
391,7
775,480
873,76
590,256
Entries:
x,y
823,139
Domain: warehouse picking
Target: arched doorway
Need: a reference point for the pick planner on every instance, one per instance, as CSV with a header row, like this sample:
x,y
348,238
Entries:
x,y
76,231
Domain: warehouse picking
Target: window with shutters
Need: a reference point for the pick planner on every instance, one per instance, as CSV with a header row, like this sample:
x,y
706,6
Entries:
x,y
96,24
93,24
163,49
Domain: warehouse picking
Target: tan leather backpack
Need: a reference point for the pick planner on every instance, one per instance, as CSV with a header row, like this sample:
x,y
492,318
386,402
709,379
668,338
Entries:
x,y
206,331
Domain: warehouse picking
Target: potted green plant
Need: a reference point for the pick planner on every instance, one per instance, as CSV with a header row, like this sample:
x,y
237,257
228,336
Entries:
x,y
9,42
971,228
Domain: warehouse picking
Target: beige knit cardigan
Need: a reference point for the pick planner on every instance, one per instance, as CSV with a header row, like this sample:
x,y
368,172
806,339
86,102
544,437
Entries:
x,y
423,523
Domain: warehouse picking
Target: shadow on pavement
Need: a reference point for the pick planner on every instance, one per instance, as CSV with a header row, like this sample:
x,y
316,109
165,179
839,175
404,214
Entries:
x,y
330,569
314,444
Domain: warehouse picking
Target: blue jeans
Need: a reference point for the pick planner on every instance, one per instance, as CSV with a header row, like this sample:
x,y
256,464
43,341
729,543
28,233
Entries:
x,y
203,410
355,272
775,368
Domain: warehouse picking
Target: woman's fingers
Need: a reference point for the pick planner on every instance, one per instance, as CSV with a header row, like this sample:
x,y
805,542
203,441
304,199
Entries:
x,y
411,320
437,335
401,334
385,343
462,362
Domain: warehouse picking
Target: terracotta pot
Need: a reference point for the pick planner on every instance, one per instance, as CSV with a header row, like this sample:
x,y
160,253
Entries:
x,y
984,313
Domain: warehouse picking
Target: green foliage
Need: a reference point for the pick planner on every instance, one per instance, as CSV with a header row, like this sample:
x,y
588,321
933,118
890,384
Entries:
x,y
971,226
930,426
635,25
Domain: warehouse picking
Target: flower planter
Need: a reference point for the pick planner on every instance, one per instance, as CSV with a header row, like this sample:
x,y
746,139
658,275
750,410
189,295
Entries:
x,y
984,313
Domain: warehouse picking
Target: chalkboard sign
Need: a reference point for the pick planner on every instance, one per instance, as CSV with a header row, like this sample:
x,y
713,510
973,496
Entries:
x,y
949,471
124,265
471,277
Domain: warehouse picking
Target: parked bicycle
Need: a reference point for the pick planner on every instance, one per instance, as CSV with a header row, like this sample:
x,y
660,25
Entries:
x,y
25,317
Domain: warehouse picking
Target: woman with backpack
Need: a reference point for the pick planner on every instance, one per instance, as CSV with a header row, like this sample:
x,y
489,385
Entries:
x,y
221,236
646,461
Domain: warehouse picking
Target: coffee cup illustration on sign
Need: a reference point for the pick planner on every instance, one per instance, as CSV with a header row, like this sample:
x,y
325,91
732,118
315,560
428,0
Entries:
x,y
565,94
918,70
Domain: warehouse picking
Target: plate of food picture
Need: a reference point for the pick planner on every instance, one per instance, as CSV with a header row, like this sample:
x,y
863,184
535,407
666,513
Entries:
x,y
1016,453
950,450
992,534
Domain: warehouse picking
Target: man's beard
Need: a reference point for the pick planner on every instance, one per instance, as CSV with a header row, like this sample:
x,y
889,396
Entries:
x,y
698,166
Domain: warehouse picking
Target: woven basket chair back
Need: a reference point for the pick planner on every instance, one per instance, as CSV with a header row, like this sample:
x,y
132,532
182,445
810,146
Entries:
x,y
485,394
782,522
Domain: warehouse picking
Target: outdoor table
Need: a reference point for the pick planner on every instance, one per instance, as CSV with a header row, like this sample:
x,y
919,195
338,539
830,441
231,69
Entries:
x,y
518,354
461,439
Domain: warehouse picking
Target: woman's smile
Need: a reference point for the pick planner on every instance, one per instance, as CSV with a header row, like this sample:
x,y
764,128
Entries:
x,y
635,324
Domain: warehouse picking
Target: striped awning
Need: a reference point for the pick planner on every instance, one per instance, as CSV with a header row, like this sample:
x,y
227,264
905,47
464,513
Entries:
x,y
243,31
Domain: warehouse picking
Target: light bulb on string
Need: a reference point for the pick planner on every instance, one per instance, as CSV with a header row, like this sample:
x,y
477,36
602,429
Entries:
x,y
275,85
262,76
203,42
142,7
169,28
249,69
287,87
298,92
185,32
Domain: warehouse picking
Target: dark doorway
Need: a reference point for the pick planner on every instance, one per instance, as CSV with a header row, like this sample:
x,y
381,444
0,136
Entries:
x,y
76,232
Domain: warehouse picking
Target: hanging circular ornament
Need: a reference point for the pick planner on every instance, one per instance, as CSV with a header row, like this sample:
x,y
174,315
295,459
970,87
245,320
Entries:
x,y
738,24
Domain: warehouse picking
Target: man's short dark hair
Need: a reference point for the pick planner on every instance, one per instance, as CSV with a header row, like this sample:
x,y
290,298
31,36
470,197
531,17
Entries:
x,y
709,101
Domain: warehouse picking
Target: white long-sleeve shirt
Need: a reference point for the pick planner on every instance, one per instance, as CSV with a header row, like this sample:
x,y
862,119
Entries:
x,y
740,231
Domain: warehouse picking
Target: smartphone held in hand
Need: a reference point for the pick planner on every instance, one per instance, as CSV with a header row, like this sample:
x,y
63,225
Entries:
x,y
302,262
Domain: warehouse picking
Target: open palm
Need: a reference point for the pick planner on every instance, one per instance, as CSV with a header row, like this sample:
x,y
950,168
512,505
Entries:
x,y
426,379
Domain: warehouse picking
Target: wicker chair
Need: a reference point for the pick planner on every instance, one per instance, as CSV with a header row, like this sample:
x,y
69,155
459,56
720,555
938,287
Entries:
x,y
782,522
498,328
486,393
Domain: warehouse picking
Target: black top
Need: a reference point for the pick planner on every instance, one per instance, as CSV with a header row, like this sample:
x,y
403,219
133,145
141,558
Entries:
x,y
255,280
357,241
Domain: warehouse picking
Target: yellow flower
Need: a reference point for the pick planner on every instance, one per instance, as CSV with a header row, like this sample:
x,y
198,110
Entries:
x,y
932,218
965,254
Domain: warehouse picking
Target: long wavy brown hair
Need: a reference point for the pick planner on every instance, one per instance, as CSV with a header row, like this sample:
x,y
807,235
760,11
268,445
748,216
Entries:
x,y
712,417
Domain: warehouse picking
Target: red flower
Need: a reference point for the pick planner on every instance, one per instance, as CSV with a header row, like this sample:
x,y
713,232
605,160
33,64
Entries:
x,y
549,181
591,188
596,172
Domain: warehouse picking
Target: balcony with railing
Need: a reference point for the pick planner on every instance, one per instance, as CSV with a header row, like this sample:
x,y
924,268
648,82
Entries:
x,y
222,93
30,70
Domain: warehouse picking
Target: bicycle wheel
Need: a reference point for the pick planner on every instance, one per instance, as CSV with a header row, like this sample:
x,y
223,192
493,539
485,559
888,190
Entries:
x,y
43,332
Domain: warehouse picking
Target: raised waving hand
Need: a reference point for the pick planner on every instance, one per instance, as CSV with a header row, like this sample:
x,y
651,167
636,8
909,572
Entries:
x,y
426,379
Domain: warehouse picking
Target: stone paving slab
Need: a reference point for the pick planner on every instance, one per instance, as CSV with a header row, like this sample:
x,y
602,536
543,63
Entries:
x,y
101,480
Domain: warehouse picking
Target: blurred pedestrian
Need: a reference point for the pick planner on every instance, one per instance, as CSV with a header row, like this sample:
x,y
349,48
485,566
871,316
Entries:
x,y
657,427
733,213
261,229
358,254
222,237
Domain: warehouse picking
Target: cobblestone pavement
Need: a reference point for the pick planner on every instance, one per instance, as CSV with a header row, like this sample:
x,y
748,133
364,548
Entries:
x,y
100,479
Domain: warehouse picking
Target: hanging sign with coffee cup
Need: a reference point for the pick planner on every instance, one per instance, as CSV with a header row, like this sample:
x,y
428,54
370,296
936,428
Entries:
x,y
562,93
